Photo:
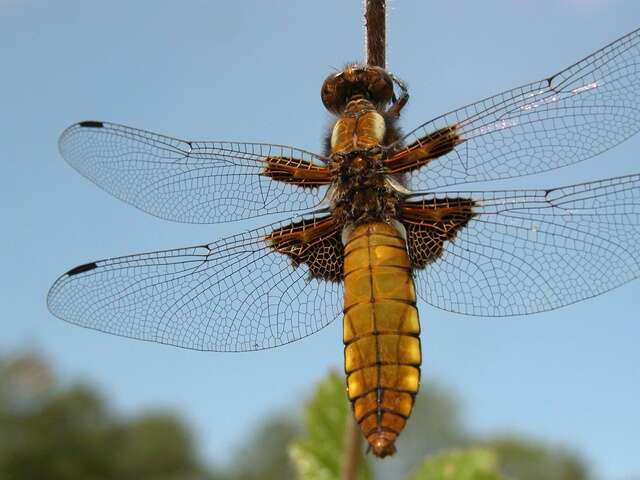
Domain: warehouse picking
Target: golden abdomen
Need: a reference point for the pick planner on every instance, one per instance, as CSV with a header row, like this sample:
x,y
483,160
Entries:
x,y
381,333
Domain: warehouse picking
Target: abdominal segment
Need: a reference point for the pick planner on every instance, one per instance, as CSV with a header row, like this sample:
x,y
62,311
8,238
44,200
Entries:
x,y
381,333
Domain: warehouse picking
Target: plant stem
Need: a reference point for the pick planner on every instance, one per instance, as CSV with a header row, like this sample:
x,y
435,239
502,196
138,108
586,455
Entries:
x,y
352,450
374,18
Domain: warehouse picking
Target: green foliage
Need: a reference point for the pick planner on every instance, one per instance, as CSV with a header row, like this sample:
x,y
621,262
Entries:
x,y
472,464
320,455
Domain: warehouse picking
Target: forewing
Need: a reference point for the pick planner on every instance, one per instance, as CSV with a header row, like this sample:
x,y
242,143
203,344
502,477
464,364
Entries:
x,y
529,251
571,116
193,182
235,294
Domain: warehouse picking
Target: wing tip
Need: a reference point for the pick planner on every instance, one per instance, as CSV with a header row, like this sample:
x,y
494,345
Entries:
x,y
72,128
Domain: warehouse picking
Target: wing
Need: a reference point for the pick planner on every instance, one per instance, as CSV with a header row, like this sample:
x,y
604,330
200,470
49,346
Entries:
x,y
194,182
566,118
519,252
235,294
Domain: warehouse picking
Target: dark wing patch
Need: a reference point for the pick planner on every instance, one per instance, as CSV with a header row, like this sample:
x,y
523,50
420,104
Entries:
x,y
314,243
91,124
82,268
431,223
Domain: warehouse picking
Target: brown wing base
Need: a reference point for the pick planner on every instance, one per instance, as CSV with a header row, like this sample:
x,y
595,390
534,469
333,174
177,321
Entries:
x,y
431,223
315,243
296,171
422,151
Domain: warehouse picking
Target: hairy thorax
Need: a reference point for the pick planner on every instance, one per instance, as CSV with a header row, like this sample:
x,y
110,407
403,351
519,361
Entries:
x,y
362,191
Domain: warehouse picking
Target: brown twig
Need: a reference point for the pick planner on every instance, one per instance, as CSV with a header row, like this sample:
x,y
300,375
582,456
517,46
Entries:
x,y
374,18
352,450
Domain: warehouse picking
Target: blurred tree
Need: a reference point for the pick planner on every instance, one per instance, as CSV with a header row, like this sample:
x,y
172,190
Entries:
x,y
528,460
267,449
156,446
69,434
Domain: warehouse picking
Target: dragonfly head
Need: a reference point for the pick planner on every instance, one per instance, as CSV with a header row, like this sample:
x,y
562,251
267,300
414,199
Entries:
x,y
372,83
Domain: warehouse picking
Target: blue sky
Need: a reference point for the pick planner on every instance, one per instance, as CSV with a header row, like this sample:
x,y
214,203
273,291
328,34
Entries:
x,y
252,71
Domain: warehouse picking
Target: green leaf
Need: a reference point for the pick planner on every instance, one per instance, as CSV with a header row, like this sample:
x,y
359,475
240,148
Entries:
x,y
320,455
472,464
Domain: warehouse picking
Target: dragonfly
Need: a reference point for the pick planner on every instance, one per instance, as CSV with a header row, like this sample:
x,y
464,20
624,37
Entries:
x,y
379,220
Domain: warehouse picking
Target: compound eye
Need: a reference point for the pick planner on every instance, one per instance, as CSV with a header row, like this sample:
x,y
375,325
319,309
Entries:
x,y
333,93
380,86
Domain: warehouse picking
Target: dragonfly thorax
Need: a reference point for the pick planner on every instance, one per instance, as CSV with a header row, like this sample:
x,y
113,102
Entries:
x,y
361,191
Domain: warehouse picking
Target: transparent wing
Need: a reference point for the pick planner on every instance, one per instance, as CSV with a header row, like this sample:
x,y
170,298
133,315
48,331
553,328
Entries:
x,y
531,251
235,294
571,116
192,182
